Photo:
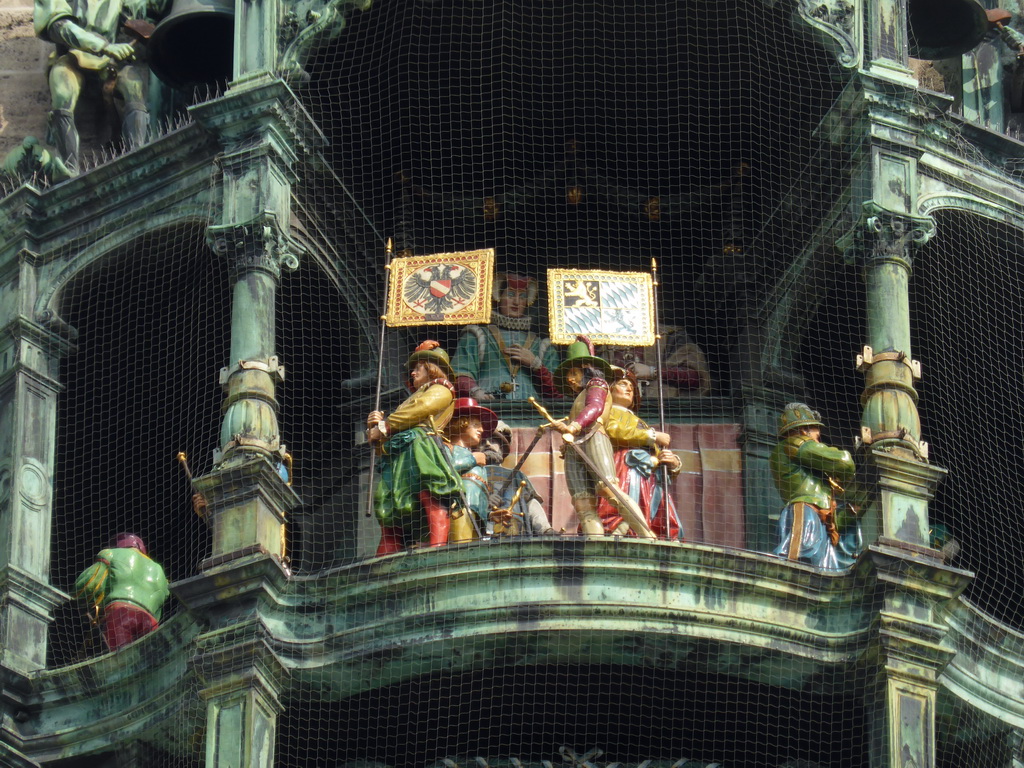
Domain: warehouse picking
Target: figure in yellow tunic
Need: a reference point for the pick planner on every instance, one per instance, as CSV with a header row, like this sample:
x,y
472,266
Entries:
x,y
417,484
639,451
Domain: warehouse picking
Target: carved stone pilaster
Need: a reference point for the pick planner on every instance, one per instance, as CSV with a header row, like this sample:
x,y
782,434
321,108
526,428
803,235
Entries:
x,y
907,653
29,361
241,676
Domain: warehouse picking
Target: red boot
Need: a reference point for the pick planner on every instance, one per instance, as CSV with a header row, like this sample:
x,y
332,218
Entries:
x,y
437,518
391,540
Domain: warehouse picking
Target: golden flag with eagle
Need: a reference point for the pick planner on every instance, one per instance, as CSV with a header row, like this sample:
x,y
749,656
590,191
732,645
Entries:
x,y
441,289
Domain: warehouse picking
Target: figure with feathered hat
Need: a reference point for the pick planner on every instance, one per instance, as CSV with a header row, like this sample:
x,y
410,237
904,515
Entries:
x,y
126,591
585,376
506,360
417,486
817,525
639,451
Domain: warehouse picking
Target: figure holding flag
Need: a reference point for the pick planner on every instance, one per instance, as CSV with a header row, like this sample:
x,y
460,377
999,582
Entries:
x,y
413,498
418,484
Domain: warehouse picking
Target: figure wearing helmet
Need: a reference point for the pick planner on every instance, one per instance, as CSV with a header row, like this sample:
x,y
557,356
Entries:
x,y
810,477
417,484
126,591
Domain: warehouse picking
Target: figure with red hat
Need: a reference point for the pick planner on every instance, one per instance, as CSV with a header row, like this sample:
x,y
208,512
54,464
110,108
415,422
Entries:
x,y
506,360
639,451
126,591
417,485
586,376
471,424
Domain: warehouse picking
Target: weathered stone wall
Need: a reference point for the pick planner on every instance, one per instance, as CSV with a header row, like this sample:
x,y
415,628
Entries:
x,y
24,97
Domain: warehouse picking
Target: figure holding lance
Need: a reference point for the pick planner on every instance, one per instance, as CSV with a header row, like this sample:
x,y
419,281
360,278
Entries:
x,y
589,464
663,469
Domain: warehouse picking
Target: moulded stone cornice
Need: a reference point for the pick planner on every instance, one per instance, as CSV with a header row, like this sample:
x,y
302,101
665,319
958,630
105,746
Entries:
x,y
256,575
988,669
34,596
115,697
953,182
21,332
883,96
554,595
19,214
268,110
529,601
12,758
146,172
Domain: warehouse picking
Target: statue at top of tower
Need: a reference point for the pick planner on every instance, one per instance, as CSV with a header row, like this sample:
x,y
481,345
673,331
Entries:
x,y
126,591
507,360
96,54
818,525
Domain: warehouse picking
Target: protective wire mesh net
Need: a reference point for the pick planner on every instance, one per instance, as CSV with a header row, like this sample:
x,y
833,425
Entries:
x,y
593,135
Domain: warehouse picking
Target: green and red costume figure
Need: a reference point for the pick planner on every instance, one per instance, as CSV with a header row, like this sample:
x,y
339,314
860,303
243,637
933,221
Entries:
x,y
126,591
585,376
639,451
417,485
816,526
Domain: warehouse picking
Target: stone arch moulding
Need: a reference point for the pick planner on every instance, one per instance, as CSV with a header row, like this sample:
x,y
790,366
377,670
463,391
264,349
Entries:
x,y
952,201
51,286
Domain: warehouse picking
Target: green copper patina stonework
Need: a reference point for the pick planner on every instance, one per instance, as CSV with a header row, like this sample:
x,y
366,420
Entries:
x,y
249,637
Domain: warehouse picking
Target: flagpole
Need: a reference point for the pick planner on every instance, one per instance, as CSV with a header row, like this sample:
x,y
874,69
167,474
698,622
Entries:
x,y
388,254
661,401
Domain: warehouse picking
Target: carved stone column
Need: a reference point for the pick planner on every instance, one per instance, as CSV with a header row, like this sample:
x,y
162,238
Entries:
x,y
905,657
890,423
264,131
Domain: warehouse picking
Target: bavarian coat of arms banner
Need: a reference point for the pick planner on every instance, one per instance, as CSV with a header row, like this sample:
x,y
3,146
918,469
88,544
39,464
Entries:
x,y
609,307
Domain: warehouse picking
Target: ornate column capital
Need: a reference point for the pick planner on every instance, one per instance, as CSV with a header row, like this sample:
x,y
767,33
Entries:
x,y
882,235
256,245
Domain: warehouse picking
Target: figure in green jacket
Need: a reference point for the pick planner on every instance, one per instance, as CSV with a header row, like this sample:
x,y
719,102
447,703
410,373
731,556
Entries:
x,y
417,486
126,591
811,477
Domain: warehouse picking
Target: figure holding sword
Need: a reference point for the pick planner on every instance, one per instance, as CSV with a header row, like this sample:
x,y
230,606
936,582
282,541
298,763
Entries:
x,y
589,462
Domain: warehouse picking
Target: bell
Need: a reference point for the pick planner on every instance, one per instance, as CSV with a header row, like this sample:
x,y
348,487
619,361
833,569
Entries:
x,y
942,29
194,44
